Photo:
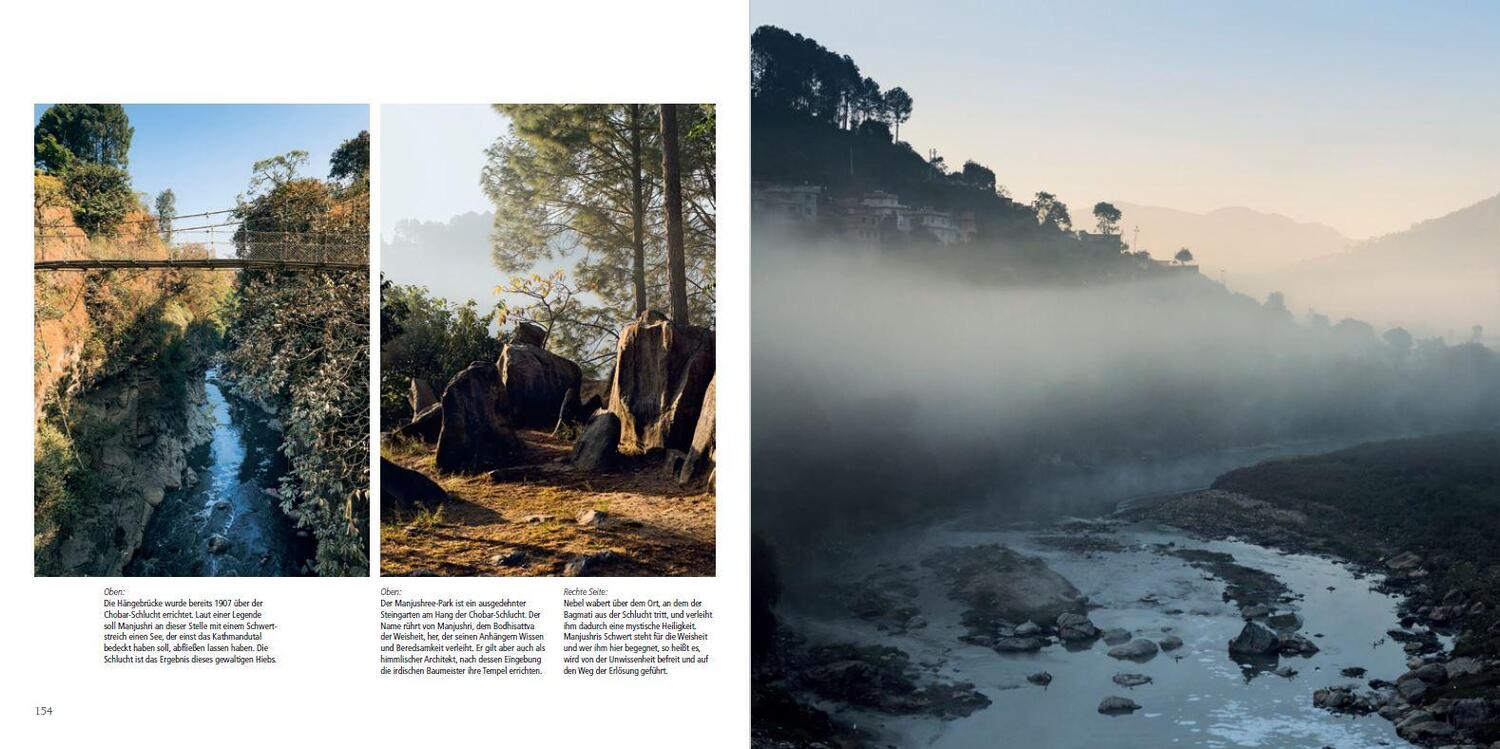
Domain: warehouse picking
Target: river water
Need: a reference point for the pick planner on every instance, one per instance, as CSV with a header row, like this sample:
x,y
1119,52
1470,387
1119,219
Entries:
x,y
237,471
1198,696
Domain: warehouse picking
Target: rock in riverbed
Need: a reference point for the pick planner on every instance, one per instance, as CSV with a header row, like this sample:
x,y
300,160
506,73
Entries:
x,y
1117,706
1135,650
1131,680
1255,640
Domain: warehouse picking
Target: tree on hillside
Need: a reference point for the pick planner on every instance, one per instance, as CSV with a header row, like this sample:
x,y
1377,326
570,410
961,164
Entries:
x,y
52,156
1051,212
351,160
978,176
96,133
1276,305
166,211
1107,218
1399,340
898,105
100,195
1183,256
273,173
671,170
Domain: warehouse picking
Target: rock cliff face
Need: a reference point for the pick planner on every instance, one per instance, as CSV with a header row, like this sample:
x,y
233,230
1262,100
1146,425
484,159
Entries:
x,y
137,446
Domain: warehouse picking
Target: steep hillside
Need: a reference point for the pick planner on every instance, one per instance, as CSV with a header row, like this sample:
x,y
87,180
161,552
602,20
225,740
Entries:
x,y
1440,277
117,396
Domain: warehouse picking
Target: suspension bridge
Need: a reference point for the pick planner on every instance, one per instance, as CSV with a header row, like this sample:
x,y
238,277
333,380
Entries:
x,y
227,245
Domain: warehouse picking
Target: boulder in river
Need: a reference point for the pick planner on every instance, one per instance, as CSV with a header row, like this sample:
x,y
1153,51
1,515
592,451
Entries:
x,y
1115,636
1291,643
596,449
1117,706
537,383
477,435
1285,621
1019,644
1041,678
1000,586
403,490
1255,640
1075,627
217,544
1135,650
1131,680
1170,642
662,371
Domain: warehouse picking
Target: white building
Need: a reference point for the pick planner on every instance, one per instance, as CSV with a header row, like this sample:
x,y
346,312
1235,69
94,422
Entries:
x,y
797,204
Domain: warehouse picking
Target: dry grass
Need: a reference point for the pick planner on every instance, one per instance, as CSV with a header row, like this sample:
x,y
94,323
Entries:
x,y
654,527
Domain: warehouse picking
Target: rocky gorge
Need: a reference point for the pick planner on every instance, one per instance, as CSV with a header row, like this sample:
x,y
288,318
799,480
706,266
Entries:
x,y
1205,618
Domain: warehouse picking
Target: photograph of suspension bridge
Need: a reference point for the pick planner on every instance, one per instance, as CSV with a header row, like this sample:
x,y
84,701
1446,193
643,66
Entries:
x,y
202,327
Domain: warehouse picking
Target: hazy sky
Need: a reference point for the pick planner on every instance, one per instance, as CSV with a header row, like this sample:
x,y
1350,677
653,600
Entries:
x,y
430,157
204,152
1365,116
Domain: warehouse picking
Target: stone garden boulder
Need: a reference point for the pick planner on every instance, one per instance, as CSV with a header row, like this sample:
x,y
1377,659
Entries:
x,y
425,426
537,382
476,434
699,464
420,396
662,372
403,490
597,447
529,334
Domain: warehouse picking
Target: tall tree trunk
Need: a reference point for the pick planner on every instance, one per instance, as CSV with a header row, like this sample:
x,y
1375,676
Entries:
x,y
637,211
671,171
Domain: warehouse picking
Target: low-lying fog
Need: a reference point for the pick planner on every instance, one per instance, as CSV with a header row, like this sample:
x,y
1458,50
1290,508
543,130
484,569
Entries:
x,y
883,387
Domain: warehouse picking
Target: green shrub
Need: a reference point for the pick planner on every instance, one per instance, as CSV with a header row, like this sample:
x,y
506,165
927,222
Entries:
x,y
101,196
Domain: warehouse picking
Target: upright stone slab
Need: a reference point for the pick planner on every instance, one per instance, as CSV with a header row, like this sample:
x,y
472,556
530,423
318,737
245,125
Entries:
x,y
700,456
662,371
536,382
420,396
596,448
476,434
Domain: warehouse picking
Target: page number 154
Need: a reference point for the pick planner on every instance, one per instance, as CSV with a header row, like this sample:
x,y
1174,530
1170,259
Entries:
x,y
44,710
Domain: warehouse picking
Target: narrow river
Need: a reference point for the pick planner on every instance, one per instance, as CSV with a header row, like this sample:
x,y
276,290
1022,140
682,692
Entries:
x,y
1198,696
228,523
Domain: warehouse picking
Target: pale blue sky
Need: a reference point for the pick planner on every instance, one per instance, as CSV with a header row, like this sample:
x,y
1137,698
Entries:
x,y
430,157
204,152
1366,116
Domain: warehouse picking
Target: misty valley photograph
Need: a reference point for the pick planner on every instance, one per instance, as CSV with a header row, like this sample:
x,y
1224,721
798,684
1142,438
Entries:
x,y
202,327
1125,375
547,340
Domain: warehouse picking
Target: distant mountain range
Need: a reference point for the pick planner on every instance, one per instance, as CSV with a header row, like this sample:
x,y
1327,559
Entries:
x,y
1440,277
1467,238
1236,240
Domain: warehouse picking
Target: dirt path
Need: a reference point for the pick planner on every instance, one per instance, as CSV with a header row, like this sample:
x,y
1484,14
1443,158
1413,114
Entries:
x,y
653,526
